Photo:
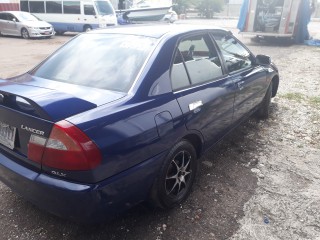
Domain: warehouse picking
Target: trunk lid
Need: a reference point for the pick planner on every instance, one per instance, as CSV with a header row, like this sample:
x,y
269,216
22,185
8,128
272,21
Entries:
x,y
31,106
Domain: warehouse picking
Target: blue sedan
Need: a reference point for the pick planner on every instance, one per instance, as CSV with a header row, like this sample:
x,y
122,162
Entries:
x,y
121,116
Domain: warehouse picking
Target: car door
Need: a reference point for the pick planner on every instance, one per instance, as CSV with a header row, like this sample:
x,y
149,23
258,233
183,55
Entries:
x,y
89,14
3,23
201,87
12,25
250,79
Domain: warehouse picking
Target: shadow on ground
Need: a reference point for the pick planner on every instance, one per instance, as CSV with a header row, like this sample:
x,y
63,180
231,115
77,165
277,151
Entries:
x,y
224,184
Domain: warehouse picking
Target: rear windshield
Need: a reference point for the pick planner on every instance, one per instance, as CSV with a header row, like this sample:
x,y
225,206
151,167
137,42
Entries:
x,y
105,61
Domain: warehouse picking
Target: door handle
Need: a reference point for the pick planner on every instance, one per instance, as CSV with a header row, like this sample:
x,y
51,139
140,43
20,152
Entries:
x,y
240,85
195,105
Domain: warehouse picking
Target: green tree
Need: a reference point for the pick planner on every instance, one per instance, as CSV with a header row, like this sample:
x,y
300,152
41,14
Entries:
x,y
181,6
208,7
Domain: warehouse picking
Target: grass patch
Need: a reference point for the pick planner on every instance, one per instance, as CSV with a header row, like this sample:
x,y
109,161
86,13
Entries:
x,y
298,97
315,101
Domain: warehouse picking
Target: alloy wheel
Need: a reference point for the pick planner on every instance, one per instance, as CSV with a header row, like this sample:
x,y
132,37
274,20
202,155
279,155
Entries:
x,y
178,174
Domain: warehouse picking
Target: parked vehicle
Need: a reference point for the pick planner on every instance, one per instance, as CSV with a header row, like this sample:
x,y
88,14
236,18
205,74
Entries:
x,y
287,19
143,14
24,24
120,116
72,15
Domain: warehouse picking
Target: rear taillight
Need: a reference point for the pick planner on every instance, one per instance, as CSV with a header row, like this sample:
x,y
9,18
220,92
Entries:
x,y
67,148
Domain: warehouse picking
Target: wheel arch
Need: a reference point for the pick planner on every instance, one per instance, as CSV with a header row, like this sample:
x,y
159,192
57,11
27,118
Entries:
x,y
86,26
21,32
275,85
196,141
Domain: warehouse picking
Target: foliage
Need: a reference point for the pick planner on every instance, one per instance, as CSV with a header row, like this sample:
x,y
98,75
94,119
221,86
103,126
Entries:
x,y
294,96
208,7
181,6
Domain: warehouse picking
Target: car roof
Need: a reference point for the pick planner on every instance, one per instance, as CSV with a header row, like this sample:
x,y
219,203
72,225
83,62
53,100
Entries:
x,y
13,12
9,11
155,30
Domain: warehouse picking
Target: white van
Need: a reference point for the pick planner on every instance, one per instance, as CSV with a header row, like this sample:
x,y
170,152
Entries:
x,y
72,15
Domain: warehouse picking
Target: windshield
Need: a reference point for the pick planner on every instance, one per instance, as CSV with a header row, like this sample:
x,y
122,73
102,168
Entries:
x,y
104,8
24,16
105,61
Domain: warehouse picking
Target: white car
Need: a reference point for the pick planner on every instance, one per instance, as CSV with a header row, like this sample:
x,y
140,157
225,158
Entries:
x,y
24,24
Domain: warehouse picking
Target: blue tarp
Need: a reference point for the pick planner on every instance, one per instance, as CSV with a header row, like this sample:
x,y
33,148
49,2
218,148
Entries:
x,y
304,17
243,15
312,42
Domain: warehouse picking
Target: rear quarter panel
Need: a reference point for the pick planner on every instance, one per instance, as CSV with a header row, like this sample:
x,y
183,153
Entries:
x,y
127,134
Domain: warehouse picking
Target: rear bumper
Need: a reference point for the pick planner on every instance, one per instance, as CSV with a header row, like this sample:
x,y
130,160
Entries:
x,y
81,202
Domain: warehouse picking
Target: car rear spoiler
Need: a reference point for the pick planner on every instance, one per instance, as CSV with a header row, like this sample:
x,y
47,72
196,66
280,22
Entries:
x,y
48,104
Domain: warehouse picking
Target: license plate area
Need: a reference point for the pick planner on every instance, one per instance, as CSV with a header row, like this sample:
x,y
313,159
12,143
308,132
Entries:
x,y
7,135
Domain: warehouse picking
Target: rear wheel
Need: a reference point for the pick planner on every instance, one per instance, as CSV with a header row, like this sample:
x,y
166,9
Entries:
x,y
256,39
263,111
25,33
177,175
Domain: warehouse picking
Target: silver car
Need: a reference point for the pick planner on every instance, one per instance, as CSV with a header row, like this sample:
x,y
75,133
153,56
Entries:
x,y
24,24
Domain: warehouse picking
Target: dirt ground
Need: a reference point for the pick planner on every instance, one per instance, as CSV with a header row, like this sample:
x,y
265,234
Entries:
x,y
262,182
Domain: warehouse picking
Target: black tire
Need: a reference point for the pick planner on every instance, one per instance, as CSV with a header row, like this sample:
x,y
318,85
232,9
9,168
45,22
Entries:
x,y
87,28
256,39
263,111
59,33
25,33
173,185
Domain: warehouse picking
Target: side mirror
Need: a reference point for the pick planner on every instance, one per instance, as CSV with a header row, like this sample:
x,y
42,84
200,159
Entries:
x,y
13,19
263,60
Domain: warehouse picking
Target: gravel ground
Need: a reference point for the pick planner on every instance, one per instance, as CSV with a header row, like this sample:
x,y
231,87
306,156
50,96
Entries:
x,y
259,183
286,203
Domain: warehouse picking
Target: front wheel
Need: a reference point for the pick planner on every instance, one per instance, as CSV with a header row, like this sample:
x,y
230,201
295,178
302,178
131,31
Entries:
x,y
176,177
25,33
263,111
87,28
